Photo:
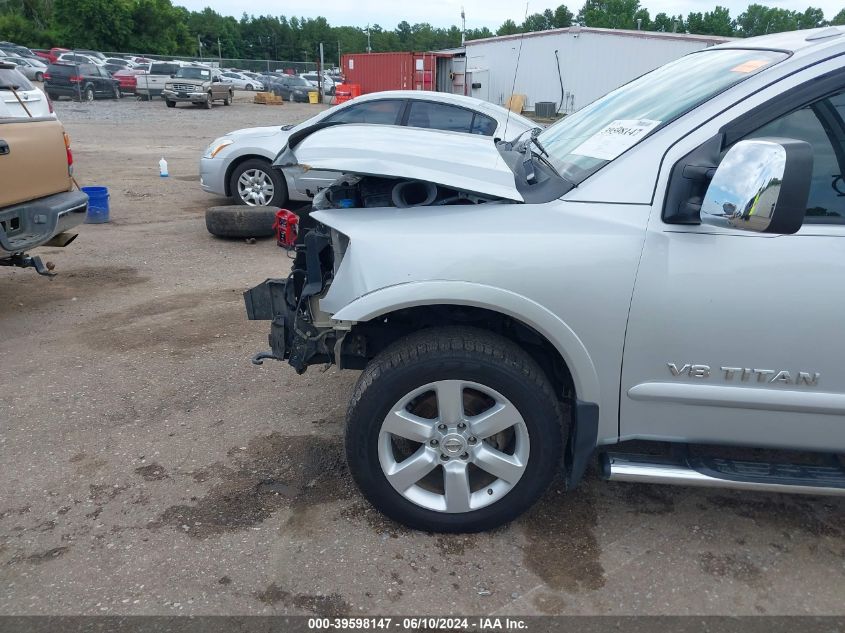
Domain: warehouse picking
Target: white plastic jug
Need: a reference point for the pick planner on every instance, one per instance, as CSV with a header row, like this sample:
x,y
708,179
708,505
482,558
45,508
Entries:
x,y
162,168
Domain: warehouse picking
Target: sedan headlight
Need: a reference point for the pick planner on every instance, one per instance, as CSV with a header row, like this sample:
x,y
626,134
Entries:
x,y
216,147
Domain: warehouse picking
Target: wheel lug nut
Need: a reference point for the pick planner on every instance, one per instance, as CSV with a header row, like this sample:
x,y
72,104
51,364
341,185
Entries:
x,y
464,455
441,427
462,426
472,439
444,457
434,442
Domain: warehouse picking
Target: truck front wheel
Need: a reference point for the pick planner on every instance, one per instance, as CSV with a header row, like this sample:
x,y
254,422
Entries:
x,y
208,101
453,429
170,104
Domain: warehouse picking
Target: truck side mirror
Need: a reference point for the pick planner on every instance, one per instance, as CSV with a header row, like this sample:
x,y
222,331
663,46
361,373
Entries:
x,y
761,185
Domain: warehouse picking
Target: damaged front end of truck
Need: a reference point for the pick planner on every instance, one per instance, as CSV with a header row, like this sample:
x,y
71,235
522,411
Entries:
x,y
380,187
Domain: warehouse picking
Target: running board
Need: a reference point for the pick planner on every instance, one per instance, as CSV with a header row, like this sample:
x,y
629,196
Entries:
x,y
715,472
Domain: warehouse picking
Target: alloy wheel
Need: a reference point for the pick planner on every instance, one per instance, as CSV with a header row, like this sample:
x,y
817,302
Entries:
x,y
453,446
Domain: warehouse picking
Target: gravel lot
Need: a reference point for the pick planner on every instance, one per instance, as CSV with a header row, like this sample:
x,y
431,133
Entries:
x,y
148,468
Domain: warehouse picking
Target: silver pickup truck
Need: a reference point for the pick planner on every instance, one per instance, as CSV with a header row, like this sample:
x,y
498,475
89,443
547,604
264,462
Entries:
x,y
651,281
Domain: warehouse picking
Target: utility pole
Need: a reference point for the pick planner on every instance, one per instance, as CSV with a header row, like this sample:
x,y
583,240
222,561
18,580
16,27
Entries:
x,y
320,80
219,52
463,27
338,55
369,48
199,45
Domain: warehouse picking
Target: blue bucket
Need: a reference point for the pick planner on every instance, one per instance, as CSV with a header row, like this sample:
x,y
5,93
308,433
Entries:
x,y
98,205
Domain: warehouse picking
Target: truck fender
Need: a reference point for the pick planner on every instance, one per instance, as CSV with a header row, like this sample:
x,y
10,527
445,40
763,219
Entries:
x,y
407,295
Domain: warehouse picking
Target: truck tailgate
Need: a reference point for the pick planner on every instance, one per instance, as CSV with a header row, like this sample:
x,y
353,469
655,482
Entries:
x,y
33,160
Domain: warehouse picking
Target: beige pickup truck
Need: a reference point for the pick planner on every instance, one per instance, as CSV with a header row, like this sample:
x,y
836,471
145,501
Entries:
x,y
198,85
38,204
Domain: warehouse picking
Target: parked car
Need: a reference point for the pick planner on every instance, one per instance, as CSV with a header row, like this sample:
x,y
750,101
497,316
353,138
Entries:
x,y
292,88
84,82
128,79
650,281
31,68
50,55
239,163
313,79
35,211
117,61
198,85
240,81
18,97
15,50
158,74
80,58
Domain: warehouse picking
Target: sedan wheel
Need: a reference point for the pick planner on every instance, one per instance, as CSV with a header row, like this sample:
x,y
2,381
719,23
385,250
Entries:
x,y
256,188
89,94
453,429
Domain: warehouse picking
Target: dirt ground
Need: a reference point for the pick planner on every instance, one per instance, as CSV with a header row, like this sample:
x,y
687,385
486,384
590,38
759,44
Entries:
x,y
149,468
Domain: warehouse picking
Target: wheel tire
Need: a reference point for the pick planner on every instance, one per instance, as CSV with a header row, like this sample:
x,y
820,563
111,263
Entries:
x,y
228,100
280,190
454,353
208,102
170,104
291,98
89,94
117,93
39,77
249,87
238,221
53,96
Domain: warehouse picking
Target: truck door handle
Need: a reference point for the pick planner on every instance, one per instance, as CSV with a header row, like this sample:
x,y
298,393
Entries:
x,y
4,148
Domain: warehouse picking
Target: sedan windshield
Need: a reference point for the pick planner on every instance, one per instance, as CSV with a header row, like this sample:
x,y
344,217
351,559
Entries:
x,y
583,142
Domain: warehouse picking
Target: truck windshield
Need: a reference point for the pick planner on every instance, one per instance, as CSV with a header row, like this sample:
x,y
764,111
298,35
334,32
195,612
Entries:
x,y
193,73
585,141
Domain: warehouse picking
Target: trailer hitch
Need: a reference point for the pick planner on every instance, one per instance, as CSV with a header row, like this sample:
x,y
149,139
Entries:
x,y
21,260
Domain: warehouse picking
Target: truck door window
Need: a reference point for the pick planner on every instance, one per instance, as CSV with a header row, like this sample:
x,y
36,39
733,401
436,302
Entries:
x,y
821,125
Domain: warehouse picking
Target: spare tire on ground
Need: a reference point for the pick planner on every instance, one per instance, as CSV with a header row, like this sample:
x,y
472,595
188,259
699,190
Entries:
x,y
240,221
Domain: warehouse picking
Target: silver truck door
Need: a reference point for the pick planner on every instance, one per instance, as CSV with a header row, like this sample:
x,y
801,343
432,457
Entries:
x,y
735,337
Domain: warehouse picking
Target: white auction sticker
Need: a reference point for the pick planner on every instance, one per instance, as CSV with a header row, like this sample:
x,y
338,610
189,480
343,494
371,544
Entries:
x,y
615,138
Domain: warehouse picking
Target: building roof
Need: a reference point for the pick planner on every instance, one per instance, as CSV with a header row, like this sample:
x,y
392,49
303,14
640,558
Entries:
x,y
706,39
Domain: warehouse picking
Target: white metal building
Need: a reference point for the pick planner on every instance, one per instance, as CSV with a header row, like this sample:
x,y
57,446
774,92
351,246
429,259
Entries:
x,y
592,62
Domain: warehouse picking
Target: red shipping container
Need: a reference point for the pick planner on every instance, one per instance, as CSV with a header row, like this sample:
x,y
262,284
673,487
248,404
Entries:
x,y
390,71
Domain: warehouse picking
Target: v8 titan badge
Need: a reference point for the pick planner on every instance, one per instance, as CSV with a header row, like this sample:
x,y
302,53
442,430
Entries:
x,y
616,137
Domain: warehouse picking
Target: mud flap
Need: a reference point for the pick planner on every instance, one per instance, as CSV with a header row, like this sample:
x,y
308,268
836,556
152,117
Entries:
x,y
582,442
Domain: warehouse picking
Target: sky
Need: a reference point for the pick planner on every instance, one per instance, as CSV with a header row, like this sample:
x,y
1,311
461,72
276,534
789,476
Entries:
x,y
479,13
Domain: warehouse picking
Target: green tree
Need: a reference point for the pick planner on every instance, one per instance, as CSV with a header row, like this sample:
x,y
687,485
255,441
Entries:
x,y
811,18
609,14
508,27
716,22
403,32
839,18
99,24
562,17
535,22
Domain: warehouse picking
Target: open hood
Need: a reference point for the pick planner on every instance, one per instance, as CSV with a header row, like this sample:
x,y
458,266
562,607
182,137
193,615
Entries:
x,y
463,162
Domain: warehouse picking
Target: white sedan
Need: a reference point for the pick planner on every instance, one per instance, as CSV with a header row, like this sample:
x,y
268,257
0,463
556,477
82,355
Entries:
x,y
241,82
238,165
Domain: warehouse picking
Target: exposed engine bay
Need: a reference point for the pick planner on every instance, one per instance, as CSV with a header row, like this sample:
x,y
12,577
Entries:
x,y
354,191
